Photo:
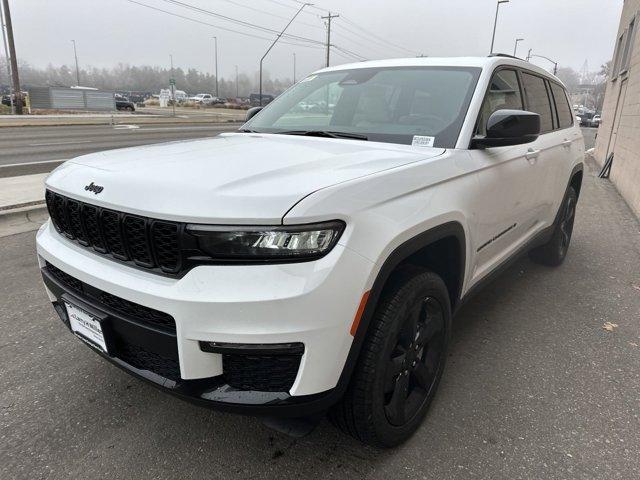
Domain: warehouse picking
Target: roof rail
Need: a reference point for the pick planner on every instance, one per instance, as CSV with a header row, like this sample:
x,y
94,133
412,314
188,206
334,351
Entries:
x,y
504,55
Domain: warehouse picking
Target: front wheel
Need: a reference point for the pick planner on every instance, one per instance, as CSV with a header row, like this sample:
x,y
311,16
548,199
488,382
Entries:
x,y
555,250
401,362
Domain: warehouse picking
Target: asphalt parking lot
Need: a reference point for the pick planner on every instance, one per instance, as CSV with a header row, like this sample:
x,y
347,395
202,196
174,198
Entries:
x,y
534,387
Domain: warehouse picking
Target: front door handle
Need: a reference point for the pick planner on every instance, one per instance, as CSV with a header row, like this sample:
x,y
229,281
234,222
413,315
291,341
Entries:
x,y
532,155
567,143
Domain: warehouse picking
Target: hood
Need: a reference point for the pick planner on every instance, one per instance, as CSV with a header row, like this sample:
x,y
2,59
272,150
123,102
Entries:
x,y
234,178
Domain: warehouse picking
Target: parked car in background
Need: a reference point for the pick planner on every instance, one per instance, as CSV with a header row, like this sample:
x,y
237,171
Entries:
x,y
202,98
313,262
123,103
180,96
254,99
585,118
6,99
596,120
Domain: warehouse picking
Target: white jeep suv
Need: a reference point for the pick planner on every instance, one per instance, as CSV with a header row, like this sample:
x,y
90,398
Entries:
x,y
313,260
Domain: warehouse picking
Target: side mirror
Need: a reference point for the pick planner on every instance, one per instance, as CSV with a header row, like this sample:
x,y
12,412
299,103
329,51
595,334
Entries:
x,y
509,127
252,113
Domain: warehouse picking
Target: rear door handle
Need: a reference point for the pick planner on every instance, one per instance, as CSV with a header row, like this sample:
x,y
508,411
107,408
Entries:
x,y
532,155
567,143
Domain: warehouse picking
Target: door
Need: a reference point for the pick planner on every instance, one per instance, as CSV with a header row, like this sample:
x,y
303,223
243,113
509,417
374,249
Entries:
x,y
568,149
505,213
552,151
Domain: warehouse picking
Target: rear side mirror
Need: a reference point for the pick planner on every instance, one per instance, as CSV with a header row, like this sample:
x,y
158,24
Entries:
x,y
509,127
252,113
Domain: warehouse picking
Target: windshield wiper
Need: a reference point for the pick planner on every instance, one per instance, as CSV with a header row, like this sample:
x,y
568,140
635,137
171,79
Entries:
x,y
325,133
247,130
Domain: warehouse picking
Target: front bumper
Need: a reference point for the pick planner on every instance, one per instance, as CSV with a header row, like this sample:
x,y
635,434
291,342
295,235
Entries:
x,y
311,303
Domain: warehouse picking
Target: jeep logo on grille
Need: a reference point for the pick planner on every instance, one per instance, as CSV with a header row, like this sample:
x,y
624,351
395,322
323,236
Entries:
x,y
92,187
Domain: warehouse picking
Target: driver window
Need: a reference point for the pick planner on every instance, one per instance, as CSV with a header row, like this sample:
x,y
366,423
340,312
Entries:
x,y
504,93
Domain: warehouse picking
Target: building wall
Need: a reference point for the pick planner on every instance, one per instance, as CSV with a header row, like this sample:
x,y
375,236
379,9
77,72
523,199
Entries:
x,y
620,129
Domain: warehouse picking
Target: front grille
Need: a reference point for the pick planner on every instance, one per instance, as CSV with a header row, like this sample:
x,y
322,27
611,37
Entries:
x,y
144,359
263,373
145,242
138,313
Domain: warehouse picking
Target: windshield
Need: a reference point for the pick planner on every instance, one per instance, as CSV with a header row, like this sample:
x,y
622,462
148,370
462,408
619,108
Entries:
x,y
391,104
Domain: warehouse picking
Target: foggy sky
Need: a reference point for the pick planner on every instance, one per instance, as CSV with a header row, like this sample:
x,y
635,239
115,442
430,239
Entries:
x,y
109,32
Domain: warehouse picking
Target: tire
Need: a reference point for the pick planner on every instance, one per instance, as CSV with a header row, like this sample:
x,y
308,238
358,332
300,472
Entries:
x,y
555,250
401,362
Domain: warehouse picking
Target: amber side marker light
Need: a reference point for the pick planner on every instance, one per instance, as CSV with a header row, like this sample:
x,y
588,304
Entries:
x,y
358,317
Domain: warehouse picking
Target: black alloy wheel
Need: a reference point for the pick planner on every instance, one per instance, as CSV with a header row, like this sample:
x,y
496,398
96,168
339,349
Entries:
x,y
414,362
401,361
566,223
555,250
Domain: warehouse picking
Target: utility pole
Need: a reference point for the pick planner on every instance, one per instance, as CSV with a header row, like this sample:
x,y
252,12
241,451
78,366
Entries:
x,y
294,68
237,95
495,23
328,19
75,54
515,49
275,41
529,54
17,92
6,54
172,82
215,39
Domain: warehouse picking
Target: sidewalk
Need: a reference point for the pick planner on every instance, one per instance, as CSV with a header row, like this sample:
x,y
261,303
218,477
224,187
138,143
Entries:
x,y
22,206
23,191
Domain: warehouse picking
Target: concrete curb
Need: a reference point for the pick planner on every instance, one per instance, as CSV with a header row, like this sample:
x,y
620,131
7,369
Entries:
x,y
147,120
22,218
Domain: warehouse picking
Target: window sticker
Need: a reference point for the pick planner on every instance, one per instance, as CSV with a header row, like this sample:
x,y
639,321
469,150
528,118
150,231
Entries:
x,y
308,79
422,141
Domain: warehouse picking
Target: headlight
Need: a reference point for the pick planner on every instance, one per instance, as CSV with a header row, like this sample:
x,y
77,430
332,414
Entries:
x,y
263,243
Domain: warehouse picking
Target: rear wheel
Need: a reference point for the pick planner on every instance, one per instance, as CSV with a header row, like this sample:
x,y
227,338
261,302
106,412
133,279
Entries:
x,y
401,362
555,250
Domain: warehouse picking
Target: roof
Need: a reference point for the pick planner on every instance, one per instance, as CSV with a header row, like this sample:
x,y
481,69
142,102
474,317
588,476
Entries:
x,y
482,62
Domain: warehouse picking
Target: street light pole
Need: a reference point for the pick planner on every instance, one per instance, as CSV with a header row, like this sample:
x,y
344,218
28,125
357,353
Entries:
x,y
237,95
75,54
274,42
555,64
294,67
215,39
495,23
515,49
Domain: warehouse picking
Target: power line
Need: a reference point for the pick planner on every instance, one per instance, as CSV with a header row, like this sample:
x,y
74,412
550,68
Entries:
x,y
348,52
240,22
373,43
341,51
386,41
362,45
314,7
218,26
265,12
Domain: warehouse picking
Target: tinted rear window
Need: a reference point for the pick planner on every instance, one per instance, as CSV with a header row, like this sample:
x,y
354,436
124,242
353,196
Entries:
x,y
562,106
538,100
